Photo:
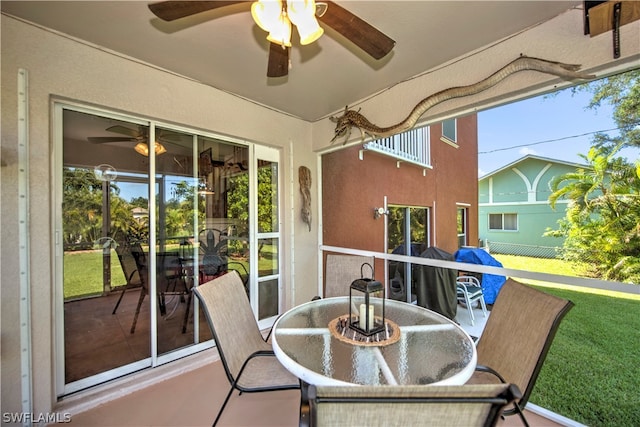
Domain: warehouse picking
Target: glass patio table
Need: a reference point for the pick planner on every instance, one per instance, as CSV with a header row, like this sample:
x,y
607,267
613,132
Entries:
x,y
428,348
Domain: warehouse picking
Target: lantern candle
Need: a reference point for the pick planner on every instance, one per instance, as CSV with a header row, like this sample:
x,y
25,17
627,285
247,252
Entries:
x,y
363,318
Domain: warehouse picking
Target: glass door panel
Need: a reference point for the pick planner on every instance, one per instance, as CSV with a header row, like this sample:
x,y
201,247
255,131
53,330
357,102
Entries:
x,y
268,225
462,227
104,217
268,277
223,194
177,220
408,234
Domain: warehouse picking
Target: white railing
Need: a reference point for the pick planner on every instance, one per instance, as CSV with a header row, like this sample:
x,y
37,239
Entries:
x,y
411,146
579,282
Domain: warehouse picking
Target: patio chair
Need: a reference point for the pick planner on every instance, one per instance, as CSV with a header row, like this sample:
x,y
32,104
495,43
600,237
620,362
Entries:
x,y
248,360
441,406
141,265
469,292
517,338
129,269
214,255
341,271
174,279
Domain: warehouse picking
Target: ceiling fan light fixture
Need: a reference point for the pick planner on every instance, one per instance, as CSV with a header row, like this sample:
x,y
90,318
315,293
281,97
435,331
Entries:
x,y
266,13
143,148
309,32
302,13
280,33
276,17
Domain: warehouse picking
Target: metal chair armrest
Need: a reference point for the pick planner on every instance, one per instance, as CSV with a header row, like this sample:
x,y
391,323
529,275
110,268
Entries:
x,y
483,368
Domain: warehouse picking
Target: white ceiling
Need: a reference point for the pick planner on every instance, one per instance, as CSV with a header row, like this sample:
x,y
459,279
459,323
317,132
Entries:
x,y
226,50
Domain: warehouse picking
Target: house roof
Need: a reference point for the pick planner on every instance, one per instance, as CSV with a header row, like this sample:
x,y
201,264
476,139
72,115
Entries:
x,y
531,157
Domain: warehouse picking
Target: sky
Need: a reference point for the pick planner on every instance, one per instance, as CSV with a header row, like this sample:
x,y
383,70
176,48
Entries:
x,y
507,133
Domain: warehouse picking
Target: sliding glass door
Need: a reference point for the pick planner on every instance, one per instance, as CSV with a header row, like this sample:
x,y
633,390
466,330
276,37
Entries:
x,y
139,225
408,234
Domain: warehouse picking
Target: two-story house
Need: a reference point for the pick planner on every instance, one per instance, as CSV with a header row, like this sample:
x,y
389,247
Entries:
x,y
514,210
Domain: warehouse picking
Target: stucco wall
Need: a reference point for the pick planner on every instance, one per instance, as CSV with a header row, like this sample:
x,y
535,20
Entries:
x,y
62,68
352,188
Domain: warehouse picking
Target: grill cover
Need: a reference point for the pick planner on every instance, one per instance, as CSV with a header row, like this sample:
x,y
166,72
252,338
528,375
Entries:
x,y
491,283
435,287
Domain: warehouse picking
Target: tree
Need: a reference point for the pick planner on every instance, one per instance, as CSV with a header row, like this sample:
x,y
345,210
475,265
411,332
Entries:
x,y
83,203
602,224
622,91
82,206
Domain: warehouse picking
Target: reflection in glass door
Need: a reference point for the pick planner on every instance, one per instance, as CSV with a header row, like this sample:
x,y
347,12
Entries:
x,y
104,231
135,242
461,220
408,234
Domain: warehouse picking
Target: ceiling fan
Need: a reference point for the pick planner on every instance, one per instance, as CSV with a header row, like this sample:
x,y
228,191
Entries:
x,y
373,42
140,136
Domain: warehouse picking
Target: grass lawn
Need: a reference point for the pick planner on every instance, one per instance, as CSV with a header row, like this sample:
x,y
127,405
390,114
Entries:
x,y
592,372
83,270
83,273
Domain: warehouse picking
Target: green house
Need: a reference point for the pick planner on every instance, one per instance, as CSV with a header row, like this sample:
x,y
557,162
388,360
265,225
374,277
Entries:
x,y
514,210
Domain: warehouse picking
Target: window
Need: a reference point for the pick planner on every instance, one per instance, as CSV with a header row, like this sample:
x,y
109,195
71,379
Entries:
x,y
506,222
462,227
449,130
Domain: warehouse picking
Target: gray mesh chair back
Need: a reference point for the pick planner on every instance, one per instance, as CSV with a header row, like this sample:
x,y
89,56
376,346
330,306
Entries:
x,y
134,266
129,269
517,337
387,406
248,360
143,270
174,281
341,271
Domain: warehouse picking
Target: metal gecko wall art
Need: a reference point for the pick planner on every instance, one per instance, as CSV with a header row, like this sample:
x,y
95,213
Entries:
x,y
353,119
304,178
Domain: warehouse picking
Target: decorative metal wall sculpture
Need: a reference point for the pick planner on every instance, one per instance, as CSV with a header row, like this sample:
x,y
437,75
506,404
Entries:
x,y
352,118
304,177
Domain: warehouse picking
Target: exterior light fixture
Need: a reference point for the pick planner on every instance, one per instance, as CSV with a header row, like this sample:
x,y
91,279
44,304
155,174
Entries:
x,y
378,212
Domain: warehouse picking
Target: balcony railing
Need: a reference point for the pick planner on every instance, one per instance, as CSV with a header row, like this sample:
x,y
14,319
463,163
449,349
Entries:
x,y
411,146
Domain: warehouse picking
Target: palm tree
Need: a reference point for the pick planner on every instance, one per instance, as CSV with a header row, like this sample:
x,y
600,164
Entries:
x,y
603,216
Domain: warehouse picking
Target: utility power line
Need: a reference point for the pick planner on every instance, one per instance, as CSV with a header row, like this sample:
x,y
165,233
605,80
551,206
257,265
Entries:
x,y
547,141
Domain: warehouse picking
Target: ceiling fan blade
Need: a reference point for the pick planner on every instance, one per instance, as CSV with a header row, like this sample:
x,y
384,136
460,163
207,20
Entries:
x,y
172,10
362,34
278,61
107,139
127,131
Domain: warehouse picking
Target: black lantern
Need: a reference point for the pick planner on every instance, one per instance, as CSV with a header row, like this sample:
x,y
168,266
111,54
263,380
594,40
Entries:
x,y
369,321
